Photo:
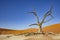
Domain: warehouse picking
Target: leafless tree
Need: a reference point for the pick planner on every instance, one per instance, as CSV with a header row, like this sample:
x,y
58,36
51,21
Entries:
x,y
39,24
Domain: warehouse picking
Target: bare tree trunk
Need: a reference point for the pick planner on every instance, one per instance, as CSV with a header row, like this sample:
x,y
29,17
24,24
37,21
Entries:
x,y
40,29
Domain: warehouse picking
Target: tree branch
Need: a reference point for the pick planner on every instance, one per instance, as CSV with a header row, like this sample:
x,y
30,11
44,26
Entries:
x,y
32,24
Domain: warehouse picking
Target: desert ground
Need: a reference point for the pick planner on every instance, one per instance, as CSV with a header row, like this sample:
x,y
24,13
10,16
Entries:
x,y
30,37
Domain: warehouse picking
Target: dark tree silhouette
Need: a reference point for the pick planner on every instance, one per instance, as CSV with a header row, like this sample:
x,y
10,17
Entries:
x,y
39,24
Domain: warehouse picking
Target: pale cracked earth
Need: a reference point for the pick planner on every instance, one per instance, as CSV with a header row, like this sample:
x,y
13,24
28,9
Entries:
x,y
32,37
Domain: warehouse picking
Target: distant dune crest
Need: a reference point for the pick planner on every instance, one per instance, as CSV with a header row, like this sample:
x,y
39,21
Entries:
x,y
52,28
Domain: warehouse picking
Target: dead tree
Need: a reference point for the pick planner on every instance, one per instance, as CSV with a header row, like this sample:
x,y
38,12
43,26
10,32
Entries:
x,y
39,24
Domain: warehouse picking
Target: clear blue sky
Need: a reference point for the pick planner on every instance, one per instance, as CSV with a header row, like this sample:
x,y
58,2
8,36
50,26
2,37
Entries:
x,y
13,13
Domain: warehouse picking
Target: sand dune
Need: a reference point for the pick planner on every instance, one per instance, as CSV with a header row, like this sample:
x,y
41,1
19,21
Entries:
x,y
9,31
52,28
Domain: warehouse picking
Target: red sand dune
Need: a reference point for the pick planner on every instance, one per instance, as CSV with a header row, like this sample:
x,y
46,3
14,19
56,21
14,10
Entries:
x,y
9,31
52,28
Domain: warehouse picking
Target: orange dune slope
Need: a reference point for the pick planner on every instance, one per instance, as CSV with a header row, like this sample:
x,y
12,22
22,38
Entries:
x,y
9,31
52,28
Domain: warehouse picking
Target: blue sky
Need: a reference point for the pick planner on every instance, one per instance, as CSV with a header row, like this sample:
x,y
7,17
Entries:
x,y
13,13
